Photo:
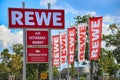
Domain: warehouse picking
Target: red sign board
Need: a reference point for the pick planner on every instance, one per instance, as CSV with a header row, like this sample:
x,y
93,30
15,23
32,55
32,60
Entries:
x,y
37,37
36,18
95,31
71,44
37,55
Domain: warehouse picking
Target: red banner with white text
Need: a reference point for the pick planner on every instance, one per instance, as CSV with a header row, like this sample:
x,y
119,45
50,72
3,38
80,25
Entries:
x,y
63,47
81,42
56,50
95,35
71,44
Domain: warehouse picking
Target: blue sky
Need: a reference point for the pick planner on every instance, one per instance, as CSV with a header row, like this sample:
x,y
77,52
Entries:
x,y
108,9
100,7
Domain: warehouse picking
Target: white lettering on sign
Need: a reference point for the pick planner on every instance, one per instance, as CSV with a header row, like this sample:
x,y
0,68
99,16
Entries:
x,y
56,19
56,47
40,17
82,42
36,18
29,18
71,44
37,37
56,50
95,24
37,42
56,61
95,34
37,33
63,43
16,17
95,37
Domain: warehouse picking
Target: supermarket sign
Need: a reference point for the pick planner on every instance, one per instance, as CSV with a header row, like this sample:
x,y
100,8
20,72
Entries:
x,y
37,55
37,37
36,18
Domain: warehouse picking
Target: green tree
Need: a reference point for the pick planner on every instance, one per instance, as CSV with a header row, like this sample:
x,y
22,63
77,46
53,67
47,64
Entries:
x,y
55,72
17,49
107,62
11,63
34,70
81,19
113,40
15,65
16,61
5,55
4,69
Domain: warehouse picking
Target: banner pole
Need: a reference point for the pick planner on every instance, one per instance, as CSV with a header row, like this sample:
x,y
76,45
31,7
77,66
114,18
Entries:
x,y
67,57
60,57
24,49
91,62
78,49
50,52
78,72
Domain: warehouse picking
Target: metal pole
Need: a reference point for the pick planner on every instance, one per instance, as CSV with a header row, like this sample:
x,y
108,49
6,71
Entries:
x,y
24,49
78,72
50,52
60,72
68,70
78,50
90,64
38,70
67,59
60,59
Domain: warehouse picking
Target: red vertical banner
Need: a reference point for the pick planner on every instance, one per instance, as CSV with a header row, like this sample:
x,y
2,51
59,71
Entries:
x,y
56,50
95,35
81,41
71,44
63,47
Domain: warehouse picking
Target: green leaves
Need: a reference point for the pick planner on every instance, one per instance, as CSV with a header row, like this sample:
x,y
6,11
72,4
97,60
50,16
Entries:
x,y
107,62
11,62
113,39
81,19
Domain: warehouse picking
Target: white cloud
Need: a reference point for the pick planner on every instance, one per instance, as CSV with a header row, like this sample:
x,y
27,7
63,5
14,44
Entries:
x,y
111,19
92,13
71,10
68,8
7,38
105,29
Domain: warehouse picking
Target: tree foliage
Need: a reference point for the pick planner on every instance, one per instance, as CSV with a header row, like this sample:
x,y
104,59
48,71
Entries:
x,y
113,40
11,63
107,62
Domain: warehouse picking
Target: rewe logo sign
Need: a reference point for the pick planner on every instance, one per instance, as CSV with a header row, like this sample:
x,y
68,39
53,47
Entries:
x,y
71,44
81,42
95,37
63,45
36,18
56,50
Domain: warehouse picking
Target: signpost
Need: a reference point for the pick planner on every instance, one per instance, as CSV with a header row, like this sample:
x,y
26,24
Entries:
x,y
37,52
